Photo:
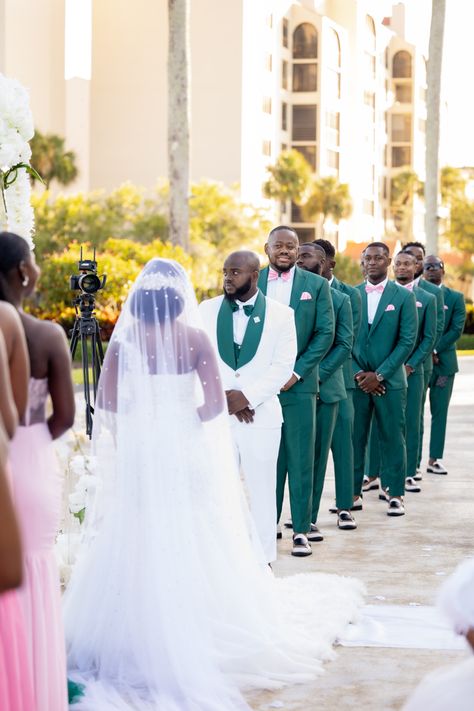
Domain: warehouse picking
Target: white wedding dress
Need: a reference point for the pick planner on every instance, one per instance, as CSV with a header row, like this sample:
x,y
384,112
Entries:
x,y
171,606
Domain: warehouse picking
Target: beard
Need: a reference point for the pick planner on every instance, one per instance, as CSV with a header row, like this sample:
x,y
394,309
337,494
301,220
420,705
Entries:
x,y
240,291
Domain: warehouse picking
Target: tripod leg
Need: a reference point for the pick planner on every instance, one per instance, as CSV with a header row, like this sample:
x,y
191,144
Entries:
x,y
85,375
74,339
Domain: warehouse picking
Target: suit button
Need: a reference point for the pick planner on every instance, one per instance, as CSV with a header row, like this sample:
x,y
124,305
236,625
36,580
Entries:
x,y
237,375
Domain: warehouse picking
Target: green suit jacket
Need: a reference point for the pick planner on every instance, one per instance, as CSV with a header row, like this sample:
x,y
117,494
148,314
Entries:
x,y
454,318
331,376
433,289
426,334
314,321
355,298
386,345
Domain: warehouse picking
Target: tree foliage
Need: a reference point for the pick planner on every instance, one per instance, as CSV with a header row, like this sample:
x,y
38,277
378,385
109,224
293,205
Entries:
x,y
452,184
403,188
328,198
289,177
50,159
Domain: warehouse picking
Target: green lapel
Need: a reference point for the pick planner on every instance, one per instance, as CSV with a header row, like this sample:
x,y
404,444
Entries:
x,y
299,281
263,280
385,300
364,320
253,332
225,334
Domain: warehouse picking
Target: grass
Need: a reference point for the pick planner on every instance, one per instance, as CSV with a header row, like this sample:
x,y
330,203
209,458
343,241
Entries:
x,y
466,342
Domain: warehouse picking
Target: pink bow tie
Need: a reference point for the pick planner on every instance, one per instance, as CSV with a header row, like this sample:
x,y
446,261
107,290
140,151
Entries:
x,y
378,288
272,275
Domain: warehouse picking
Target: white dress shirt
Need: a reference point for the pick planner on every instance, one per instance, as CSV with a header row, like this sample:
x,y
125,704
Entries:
x,y
330,281
281,290
241,319
417,280
373,300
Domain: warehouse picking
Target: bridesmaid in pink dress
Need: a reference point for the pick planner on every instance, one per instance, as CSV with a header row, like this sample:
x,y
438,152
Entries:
x,y
36,478
16,679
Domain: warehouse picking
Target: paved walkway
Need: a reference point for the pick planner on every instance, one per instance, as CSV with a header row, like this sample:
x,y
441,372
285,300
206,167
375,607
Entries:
x,y
402,560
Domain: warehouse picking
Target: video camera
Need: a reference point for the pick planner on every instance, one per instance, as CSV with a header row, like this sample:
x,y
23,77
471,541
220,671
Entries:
x,y
87,281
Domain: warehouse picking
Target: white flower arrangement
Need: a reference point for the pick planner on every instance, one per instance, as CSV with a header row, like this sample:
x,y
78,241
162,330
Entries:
x,y
16,129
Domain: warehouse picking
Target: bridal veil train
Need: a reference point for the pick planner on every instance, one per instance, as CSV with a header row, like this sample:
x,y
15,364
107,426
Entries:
x,y
171,606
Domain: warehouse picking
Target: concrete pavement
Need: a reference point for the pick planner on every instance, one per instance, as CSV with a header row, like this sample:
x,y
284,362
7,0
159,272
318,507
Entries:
x,y
402,560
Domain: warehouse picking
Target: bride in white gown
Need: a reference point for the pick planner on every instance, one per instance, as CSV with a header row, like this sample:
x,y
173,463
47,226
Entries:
x,y
171,606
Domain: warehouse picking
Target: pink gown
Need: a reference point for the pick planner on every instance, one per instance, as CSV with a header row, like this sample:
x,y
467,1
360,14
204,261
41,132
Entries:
x,y
37,493
16,682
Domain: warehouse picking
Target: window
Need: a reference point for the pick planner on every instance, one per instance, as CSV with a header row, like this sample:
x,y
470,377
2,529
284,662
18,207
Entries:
x,y
267,105
284,32
333,49
403,92
304,123
305,77
401,65
284,75
401,128
333,159
284,117
401,156
305,234
284,147
305,42
332,128
267,148
333,79
369,207
309,153
269,63
296,213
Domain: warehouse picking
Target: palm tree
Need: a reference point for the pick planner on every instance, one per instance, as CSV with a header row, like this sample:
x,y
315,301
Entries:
x,y
328,198
51,161
433,80
178,121
288,178
404,186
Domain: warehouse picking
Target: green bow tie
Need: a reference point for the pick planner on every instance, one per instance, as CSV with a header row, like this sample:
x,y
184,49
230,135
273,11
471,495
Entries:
x,y
247,309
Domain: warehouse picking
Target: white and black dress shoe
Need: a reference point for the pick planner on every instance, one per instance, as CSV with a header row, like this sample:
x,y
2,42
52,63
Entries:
x,y
288,524
411,484
384,495
395,507
314,534
345,521
279,533
333,509
301,547
370,484
357,505
417,476
436,468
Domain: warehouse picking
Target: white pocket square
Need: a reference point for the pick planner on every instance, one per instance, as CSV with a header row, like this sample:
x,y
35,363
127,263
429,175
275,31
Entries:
x,y
305,296
390,307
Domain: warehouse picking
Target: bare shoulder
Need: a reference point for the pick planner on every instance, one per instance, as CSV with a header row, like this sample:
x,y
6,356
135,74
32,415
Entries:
x,y
9,315
47,332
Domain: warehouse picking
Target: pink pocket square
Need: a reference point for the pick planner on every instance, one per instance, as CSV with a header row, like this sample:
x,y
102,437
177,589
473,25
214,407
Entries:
x,y
306,296
419,304
445,307
390,307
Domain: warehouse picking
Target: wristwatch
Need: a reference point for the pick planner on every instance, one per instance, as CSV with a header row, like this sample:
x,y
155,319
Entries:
x,y
379,377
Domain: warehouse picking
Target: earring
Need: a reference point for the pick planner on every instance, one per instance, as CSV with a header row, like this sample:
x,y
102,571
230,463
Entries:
x,y
26,280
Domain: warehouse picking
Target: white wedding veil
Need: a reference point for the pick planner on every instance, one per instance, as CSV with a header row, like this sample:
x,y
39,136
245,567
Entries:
x,y
171,606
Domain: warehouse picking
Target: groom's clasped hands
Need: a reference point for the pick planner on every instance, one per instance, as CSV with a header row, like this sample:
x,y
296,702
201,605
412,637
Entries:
x,y
238,405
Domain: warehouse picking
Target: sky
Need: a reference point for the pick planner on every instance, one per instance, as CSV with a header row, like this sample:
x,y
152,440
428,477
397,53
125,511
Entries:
x,y
458,63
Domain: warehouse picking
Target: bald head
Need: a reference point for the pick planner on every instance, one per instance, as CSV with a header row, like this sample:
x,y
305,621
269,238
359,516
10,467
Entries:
x,y
433,269
241,271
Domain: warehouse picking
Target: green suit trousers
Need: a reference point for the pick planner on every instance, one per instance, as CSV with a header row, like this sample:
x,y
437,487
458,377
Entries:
x,y
326,414
440,395
296,457
426,382
389,412
343,453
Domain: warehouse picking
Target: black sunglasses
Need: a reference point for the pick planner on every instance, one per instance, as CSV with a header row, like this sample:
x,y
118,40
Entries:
x,y
433,265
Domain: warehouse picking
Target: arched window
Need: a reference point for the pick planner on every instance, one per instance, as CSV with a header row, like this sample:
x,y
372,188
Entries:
x,y
305,42
333,49
370,43
402,65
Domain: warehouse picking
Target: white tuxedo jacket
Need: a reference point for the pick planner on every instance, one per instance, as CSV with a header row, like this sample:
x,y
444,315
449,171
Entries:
x,y
271,367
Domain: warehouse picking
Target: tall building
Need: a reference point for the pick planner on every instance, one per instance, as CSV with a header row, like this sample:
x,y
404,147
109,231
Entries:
x,y
335,79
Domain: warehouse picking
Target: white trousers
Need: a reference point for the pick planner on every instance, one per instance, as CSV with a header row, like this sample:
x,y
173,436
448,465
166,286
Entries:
x,y
256,451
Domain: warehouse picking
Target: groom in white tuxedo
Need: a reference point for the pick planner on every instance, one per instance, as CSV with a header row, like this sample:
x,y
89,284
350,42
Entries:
x,y
255,340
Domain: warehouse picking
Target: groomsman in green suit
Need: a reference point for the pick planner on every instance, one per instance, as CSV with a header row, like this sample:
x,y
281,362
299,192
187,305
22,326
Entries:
x,y
332,391
341,445
445,363
417,249
309,297
385,340
404,268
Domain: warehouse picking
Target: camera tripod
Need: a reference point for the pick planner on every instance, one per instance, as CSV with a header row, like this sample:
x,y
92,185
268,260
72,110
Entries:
x,y
86,330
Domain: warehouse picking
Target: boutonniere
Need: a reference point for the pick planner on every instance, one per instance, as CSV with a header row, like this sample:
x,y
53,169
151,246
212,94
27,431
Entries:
x,y
390,307
305,296
256,319
419,304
